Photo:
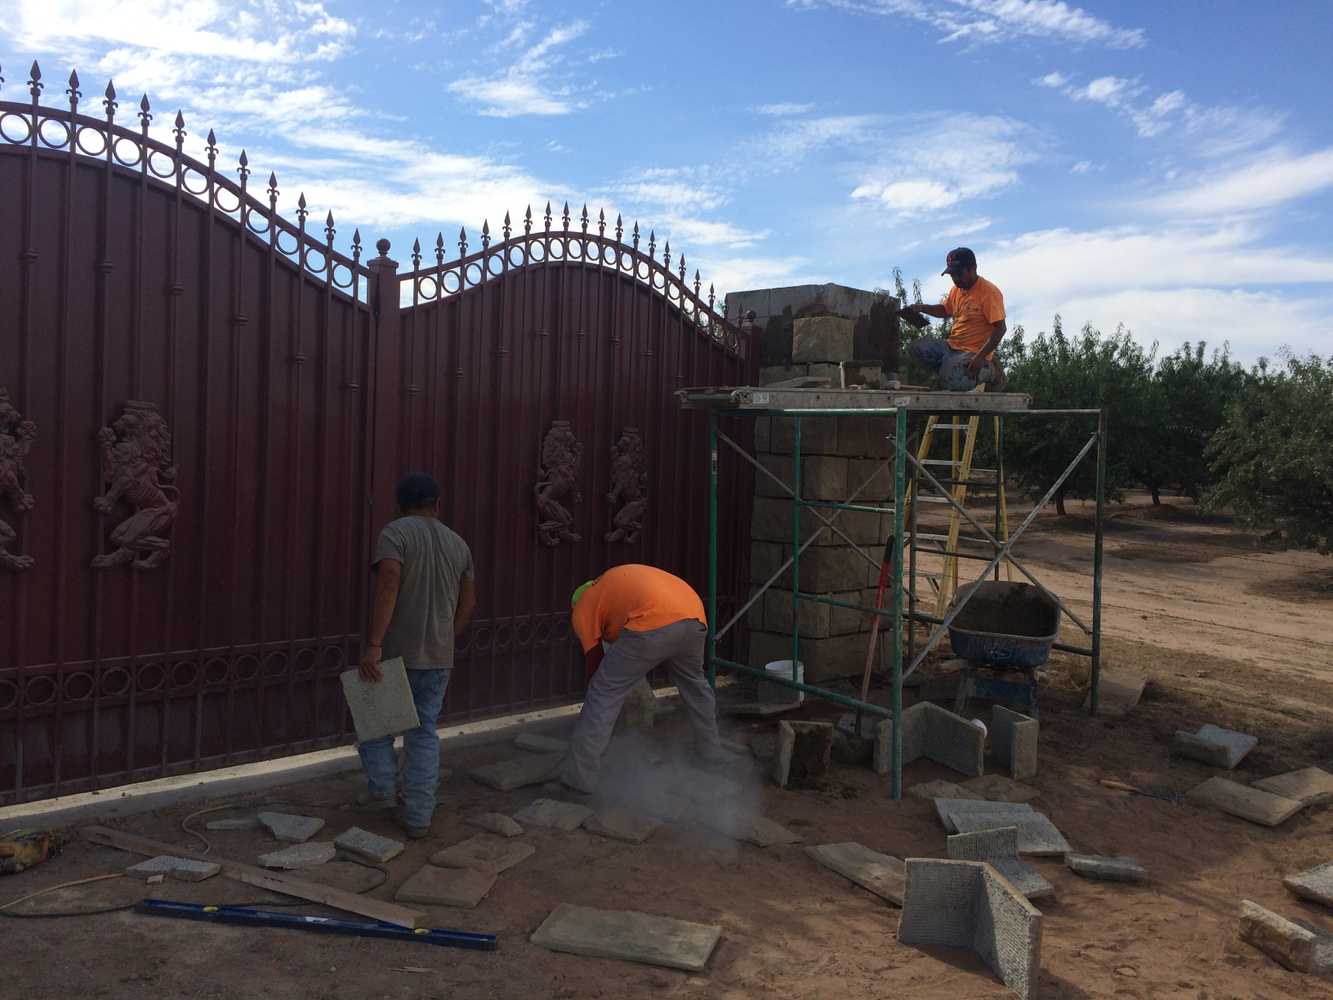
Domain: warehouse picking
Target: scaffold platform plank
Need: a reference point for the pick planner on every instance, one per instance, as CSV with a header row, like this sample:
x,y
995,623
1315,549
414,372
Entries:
x,y
773,398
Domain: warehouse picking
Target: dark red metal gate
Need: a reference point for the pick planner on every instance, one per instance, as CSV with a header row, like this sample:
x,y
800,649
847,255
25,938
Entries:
x,y
204,408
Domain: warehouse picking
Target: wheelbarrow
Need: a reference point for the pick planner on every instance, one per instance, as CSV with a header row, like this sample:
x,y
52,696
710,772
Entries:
x,y
1006,627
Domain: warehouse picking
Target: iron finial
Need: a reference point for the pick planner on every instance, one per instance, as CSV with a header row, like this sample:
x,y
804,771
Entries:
x,y
416,254
696,282
272,189
507,227
328,227
211,147
681,271
301,211
73,91
620,228
439,249
565,216
583,219
462,241
144,115
601,222
527,221
711,296
35,85
179,130
382,245
109,101
635,236
485,233
652,243
356,243
666,255
548,216
244,168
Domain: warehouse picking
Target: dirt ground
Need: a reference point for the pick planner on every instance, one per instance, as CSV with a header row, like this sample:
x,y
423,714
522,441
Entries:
x,y
1229,633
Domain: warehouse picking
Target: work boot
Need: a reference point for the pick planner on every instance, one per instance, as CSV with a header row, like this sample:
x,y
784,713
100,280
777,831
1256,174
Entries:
x,y
412,832
366,802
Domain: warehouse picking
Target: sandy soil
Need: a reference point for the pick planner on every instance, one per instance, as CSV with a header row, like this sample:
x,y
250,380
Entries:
x,y
1229,633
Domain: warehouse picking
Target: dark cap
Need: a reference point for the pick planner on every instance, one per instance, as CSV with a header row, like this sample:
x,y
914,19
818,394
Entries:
x,y
959,260
416,490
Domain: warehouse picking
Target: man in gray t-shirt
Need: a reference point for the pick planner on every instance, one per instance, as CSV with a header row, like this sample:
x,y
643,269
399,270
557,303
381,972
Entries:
x,y
424,595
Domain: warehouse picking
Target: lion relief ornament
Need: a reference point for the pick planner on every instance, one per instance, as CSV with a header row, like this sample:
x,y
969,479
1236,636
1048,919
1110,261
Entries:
x,y
137,471
16,438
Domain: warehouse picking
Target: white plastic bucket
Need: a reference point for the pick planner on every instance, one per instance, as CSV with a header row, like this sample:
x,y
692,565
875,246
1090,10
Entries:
x,y
778,694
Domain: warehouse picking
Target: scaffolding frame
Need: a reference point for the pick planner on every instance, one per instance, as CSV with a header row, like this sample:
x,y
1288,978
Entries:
x,y
896,408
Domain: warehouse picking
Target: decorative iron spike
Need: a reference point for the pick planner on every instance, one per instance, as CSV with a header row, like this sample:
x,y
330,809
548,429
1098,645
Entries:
x,y
508,228
211,147
652,243
711,296
583,219
2,76
301,211
666,256
35,85
462,241
485,233
548,216
527,221
109,102
565,216
635,237
620,228
416,254
244,168
272,188
179,130
73,91
696,282
681,271
144,112
356,243
601,222
328,227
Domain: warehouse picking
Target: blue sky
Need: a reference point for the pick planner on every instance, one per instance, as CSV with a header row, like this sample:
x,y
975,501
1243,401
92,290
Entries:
x,y
1168,166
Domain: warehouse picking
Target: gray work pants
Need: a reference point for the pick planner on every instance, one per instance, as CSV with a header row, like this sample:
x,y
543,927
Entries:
x,y
631,657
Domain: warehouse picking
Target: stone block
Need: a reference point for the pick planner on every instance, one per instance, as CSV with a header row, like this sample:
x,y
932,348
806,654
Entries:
x,y
293,829
1118,693
484,853
742,824
813,616
1298,946
998,788
627,935
803,753
1251,804
553,813
935,733
881,874
233,823
299,856
768,374
765,558
770,521
537,743
967,904
1309,786
432,886
370,846
530,769
380,708
1315,884
1013,738
875,474
999,849
1214,745
621,824
823,477
865,437
819,435
496,823
865,373
1118,869
1036,833
180,869
822,338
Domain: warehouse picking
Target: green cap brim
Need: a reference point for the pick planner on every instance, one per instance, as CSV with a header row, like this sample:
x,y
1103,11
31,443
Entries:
x,y
578,592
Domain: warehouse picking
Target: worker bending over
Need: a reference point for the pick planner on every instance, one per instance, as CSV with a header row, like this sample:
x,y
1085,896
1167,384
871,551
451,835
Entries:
x,y
967,355
648,617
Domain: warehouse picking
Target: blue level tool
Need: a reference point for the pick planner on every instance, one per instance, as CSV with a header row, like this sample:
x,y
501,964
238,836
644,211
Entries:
x,y
304,922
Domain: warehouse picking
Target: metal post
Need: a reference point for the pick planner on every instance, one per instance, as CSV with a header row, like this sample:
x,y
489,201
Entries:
x,y
911,559
899,497
796,548
711,650
1095,691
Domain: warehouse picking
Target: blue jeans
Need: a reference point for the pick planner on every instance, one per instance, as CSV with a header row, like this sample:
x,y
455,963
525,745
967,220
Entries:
x,y
951,365
421,752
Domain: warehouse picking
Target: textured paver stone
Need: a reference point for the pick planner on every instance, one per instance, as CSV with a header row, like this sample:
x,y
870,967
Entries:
x,y
752,829
627,935
484,853
1252,804
294,829
380,708
1118,869
998,788
1309,786
299,856
1315,884
935,733
1118,693
948,809
538,743
639,711
999,849
530,769
1214,745
181,869
1298,946
553,813
967,904
233,823
821,338
496,823
621,824
370,846
464,887
1013,740
881,874
803,753
1036,833
941,789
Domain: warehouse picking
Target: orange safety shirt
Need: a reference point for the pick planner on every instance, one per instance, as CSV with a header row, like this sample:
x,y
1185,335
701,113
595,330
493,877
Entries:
x,y
974,311
639,598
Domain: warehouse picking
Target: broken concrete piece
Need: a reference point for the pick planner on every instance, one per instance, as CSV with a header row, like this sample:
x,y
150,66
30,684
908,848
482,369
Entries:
x,y
380,708
496,823
630,936
370,846
155,879
940,789
1309,786
553,813
538,743
484,853
507,775
999,849
1119,869
879,873
1298,946
1013,740
803,754
462,887
998,788
1314,884
1036,833
1252,804
233,823
299,856
639,710
936,733
180,869
1118,693
1214,745
967,904
620,824
293,829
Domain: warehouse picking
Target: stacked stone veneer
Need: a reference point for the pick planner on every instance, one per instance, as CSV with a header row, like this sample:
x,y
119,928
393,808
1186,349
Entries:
x,y
838,454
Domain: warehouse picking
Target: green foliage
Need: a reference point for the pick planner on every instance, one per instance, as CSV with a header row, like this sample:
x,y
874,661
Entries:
x,y
1272,457
1190,393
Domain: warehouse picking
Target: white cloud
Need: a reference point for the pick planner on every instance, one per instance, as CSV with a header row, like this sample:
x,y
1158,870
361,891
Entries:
x,y
1081,167
784,109
1108,90
910,197
734,274
965,228
1055,80
792,140
532,85
1270,179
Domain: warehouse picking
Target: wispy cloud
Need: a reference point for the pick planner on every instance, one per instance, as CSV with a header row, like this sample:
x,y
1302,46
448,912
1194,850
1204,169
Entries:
x,y
531,85
990,21
784,109
965,228
1081,167
1266,181
794,139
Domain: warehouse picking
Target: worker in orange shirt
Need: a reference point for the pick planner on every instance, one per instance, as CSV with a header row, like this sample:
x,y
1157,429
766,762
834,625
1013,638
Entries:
x,y
647,617
967,355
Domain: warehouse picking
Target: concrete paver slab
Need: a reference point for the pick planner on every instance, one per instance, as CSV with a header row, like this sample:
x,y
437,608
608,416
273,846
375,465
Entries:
x,y
1118,869
233,823
1036,833
999,849
180,869
496,823
530,769
1295,945
432,886
617,823
370,846
1314,884
1214,745
484,853
881,874
381,708
291,828
553,813
1309,786
1119,692
1013,738
298,856
627,935
537,743
1252,804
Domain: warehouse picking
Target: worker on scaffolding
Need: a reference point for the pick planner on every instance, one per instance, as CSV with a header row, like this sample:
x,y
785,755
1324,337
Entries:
x,y
967,356
646,617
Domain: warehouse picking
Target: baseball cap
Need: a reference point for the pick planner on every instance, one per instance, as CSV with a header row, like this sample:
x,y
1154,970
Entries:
x,y
959,259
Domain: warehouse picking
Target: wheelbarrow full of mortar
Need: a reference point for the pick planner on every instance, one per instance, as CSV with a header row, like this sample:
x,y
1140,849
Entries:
x,y
1004,626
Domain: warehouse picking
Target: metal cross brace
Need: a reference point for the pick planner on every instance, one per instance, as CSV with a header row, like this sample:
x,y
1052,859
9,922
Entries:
x,y
1001,553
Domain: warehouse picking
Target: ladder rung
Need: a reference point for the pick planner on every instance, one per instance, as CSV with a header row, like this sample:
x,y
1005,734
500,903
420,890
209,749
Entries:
x,y
931,537
949,427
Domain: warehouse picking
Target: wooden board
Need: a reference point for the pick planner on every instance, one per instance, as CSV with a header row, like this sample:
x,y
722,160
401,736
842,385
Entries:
x,y
363,906
779,398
